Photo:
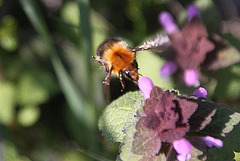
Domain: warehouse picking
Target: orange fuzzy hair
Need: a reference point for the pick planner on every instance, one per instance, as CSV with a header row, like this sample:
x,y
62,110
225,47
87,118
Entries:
x,y
119,57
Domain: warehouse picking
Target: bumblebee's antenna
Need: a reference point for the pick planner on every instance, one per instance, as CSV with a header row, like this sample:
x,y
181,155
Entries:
x,y
159,43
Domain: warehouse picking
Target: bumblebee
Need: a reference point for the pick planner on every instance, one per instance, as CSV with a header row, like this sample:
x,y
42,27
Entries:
x,y
118,58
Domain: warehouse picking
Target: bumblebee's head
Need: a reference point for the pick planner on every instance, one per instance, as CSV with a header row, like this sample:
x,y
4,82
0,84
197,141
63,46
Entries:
x,y
132,72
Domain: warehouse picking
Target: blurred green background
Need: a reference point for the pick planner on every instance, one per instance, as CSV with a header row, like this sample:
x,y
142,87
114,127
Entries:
x,y
51,92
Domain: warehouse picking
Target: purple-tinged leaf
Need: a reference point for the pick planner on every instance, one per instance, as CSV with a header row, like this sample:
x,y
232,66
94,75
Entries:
x,y
126,152
146,142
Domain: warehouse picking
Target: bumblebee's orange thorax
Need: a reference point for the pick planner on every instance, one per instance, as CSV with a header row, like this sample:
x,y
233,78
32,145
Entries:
x,y
120,57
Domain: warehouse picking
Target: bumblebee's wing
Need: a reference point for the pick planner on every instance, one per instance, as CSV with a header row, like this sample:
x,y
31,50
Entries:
x,y
159,43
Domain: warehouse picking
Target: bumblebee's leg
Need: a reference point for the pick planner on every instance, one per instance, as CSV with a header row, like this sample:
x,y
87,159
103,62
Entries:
x,y
108,78
121,80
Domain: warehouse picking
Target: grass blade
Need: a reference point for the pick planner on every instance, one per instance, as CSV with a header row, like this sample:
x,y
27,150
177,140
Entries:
x,y
73,96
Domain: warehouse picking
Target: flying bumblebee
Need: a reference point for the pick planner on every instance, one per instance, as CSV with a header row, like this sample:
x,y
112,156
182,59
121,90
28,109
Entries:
x,y
118,58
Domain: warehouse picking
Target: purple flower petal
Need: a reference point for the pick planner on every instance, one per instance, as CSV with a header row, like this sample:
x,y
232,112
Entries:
x,y
191,77
182,146
200,92
183,157
145,84
168,69
211,141
192,12
166,20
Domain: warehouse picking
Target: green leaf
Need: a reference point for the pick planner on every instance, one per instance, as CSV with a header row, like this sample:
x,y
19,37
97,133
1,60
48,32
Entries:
x,y
210,15
203,115
222,122
120,114
8,33
237,155
232,40
70,13
35,87
199,149
228,86
8,102
223,55
11,152
228,83
28,115
230,144
126,146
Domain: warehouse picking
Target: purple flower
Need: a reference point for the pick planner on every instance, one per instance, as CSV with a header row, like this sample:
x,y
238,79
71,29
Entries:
x,y
145,84
200,92
191,77
183,147
168,69
167,22
192,12
166,121
211,141
189,46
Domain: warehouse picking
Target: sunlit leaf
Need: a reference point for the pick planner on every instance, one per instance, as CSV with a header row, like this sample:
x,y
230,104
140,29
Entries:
x,y
7,99
70,13
237,155
119,114
28,115
126,146
10,152
8,33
